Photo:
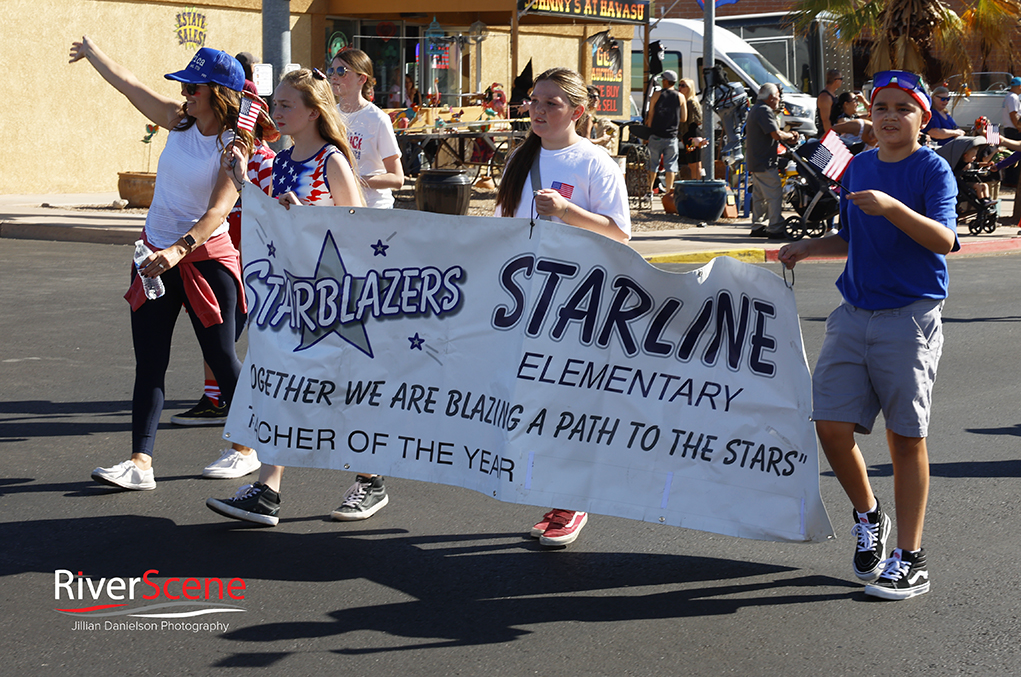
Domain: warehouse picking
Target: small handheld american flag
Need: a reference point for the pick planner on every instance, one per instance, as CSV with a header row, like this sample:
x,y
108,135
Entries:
x,y
831,157
248,115
993,135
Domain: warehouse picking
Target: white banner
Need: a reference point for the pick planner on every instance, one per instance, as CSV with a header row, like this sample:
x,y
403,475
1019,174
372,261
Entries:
x,y
546,366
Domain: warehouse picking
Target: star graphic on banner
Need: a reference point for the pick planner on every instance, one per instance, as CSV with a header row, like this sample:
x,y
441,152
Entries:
x,y
272,249
416,341
379,249
331,265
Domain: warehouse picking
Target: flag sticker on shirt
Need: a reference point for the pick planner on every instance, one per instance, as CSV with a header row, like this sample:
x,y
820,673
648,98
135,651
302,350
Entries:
x,y
248,115
564,189
831,157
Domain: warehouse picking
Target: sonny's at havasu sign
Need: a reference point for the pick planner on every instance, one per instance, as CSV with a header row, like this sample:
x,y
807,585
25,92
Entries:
x,y
546,366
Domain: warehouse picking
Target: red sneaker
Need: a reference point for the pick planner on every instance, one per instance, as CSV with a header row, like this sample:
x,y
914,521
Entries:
x,y
564,527
540,527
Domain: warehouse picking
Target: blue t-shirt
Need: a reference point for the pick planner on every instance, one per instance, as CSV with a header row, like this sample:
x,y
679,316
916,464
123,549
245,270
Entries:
x,y
939,122
886,268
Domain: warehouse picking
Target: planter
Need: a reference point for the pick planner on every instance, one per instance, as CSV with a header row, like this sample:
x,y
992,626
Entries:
x,y
702,200
136,187
443,191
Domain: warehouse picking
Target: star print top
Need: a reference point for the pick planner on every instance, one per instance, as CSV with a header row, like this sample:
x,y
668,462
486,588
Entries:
x,y
306,178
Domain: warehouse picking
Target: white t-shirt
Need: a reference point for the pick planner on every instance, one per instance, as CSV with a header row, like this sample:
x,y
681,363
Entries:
x,y
1010,105
585,175
371,135
185,177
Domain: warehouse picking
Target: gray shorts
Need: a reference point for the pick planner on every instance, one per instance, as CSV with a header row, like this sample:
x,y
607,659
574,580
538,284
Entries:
x,y
668,148
874,360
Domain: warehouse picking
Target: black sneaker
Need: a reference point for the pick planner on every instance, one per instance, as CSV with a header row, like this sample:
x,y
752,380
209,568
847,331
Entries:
x,y
904,575
871,533
363,500
759,231
203,413
252,503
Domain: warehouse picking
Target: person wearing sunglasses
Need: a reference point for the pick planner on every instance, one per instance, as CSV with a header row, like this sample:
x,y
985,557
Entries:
x,y
883,343
941,127
187,230
369,129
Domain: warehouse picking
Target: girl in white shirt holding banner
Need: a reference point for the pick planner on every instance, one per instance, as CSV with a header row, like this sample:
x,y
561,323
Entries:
x,y
572,181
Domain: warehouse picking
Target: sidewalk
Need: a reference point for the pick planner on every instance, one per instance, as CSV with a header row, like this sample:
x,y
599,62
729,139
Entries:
x,y
24,217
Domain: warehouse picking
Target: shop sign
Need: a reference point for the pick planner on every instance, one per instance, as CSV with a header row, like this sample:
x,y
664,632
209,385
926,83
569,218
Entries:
x,y
608,75
633,12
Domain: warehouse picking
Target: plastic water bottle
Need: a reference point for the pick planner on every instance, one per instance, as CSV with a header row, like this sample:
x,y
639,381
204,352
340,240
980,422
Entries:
x,y
153,286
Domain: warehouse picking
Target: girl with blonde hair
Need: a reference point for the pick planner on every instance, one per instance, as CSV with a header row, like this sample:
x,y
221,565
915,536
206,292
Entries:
x,y
303,108
369,129
691,140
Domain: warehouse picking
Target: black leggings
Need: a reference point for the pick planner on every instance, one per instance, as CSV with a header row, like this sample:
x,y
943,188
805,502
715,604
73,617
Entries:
x,y
152,328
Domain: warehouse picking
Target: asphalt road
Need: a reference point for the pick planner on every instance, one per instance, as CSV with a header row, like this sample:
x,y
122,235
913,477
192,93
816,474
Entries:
x,y
445,581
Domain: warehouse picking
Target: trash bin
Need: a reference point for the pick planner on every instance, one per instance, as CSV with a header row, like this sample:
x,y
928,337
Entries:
x,y
702,200
443,191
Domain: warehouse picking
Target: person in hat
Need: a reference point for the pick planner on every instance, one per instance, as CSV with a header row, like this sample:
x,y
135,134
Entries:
x,y
187,230
883,342
942,127
210,410
667,110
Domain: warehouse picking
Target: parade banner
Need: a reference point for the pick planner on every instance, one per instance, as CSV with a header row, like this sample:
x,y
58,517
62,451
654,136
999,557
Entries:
x,y
543,365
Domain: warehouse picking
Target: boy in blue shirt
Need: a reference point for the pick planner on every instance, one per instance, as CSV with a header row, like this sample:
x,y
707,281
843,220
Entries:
x,y
883,343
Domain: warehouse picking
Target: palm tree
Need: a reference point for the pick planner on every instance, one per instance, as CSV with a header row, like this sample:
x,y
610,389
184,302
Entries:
x,y
919,35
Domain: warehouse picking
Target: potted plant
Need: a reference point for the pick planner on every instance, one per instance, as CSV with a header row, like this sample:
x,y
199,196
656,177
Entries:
x,y
137,187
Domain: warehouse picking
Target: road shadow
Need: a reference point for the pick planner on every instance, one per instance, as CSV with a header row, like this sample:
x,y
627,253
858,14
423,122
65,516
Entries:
x,y
956,469
32,419
467,589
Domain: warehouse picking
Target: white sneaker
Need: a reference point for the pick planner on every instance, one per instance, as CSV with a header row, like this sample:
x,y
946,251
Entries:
x,y
232,464
831,232
126,475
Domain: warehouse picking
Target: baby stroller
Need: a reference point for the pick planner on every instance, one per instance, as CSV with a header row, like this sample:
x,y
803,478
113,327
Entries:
x,y
810,194
978,213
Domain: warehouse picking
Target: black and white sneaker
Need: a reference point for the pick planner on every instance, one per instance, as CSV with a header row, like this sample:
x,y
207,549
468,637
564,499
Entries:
x,y
363,500
252,503
871,533
203,413
904,575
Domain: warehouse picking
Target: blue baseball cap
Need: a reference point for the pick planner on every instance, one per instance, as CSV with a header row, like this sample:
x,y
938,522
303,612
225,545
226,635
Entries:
x,y
1015,82
212,65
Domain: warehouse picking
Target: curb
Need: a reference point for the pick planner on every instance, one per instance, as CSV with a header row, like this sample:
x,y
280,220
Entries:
x,y
34,231
1000,245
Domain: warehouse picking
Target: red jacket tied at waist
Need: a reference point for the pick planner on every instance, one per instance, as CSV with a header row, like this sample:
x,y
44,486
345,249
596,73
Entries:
x,y
200,294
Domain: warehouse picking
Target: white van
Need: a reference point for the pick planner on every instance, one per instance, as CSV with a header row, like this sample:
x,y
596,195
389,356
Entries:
x,y
681,40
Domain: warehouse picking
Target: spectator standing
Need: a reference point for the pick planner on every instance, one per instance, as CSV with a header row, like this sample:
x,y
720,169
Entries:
x,y
762,137
691,138
1010,127
826,100
667,111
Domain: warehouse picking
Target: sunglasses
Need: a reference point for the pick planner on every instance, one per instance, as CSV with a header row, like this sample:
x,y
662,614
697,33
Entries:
x,y
339,71
317,74
944,98
909,82
191,88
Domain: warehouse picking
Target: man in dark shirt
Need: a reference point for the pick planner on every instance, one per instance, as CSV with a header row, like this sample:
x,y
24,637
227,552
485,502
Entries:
x,y
762,136
667,110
